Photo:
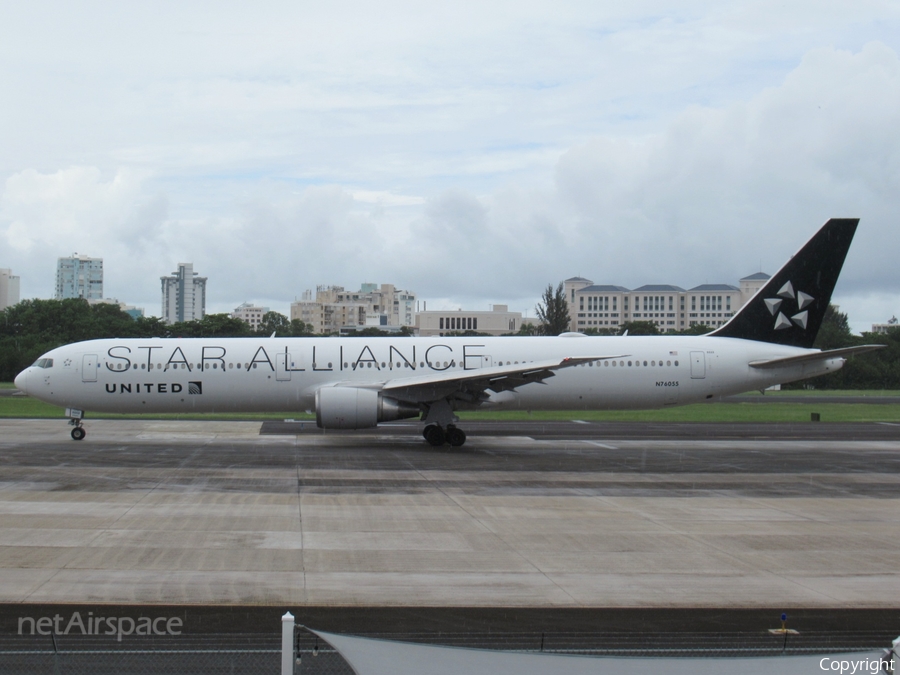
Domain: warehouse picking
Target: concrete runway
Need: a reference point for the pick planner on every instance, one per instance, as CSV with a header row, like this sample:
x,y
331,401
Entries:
x,y
532,515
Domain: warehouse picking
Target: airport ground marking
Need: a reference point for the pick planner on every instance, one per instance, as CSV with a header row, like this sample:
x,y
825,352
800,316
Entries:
x,y
602,445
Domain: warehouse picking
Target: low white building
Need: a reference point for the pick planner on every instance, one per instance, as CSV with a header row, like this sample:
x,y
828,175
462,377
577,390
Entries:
x,y
886,327
250,314
498,321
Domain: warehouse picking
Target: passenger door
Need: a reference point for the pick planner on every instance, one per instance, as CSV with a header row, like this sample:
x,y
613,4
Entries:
x,y
698,365
89,364
282,367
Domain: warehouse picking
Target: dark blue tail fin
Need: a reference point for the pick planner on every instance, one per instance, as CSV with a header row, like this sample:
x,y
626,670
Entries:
x,y
789,309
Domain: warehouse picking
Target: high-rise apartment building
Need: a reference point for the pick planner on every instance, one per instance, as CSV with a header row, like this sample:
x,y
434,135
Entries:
x,y
9,289
183,295
79,276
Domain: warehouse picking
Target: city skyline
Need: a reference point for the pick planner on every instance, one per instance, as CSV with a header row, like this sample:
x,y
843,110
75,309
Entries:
x,y
220,307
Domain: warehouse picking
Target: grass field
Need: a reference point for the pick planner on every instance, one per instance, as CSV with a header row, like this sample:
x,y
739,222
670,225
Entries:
x,y
24,407
826,393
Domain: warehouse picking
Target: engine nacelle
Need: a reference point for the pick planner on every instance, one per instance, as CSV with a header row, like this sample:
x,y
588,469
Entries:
x,y
357,408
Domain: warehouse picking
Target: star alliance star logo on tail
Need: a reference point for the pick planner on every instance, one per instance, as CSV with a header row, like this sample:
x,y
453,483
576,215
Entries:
x,y
775,306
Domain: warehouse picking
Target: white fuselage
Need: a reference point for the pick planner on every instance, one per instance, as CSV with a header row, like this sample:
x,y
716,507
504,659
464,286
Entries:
x,y
283,374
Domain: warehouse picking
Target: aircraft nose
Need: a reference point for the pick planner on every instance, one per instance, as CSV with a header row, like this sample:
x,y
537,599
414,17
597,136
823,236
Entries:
x,y
22,381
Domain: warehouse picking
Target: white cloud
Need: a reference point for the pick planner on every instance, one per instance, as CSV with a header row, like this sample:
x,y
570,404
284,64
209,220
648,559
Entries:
x,y
73,205
385,198
867,308
750,179
472,153
717,194
45,216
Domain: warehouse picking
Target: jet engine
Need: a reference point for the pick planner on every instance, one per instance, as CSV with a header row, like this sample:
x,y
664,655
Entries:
x,y
357,408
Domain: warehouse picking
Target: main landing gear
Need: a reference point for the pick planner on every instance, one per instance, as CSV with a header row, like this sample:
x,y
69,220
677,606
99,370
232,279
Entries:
x,y
439,425
437,435
75,420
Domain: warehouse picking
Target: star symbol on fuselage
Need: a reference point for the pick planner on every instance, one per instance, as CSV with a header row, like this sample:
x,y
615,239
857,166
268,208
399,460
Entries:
x,y
775,305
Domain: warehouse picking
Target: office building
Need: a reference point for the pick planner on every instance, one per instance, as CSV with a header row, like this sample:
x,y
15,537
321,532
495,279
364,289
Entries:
x,y
671,308
750,285
79,276
183,295
498,321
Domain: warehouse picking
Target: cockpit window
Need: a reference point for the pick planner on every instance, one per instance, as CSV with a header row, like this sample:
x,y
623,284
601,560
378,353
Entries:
x,y
43,363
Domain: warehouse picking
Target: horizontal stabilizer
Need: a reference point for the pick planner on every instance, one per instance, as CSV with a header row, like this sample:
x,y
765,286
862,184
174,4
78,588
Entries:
x,y
814,356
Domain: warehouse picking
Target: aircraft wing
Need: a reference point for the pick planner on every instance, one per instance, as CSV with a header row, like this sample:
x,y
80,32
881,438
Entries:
x,y
470,385
814,356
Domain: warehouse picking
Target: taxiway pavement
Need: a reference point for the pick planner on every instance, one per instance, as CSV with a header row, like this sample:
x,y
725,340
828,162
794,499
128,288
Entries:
x,y
561,515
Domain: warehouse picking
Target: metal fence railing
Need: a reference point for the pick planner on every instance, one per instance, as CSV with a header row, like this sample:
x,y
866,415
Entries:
x,y
308,654
138,662
211,654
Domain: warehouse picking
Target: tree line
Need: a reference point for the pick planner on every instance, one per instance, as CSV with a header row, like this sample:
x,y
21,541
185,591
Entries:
x,y
873,370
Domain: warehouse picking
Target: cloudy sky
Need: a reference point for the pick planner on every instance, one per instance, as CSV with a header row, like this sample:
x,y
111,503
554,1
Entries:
x,y
472,152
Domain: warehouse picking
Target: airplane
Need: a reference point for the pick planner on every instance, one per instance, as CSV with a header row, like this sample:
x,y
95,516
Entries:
x,y
356,383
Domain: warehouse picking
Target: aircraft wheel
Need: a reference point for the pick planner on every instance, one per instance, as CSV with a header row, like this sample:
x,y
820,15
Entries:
x,y
455,436
78,433
435,435
427,430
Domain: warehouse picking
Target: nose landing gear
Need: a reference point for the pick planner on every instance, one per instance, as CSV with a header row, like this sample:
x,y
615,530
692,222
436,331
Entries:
x,y
75,417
